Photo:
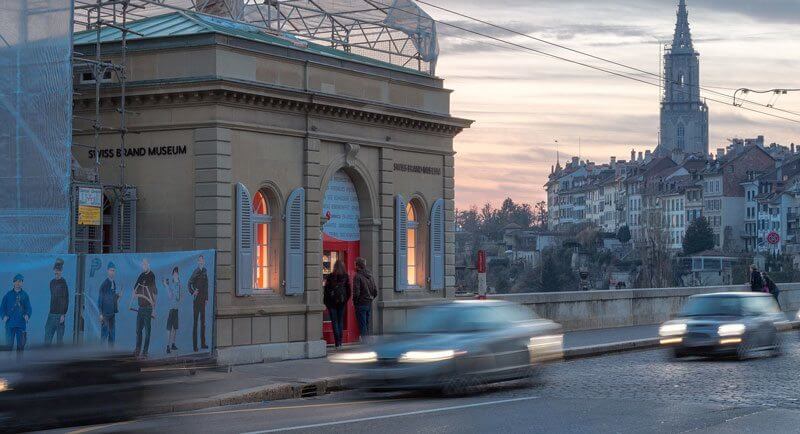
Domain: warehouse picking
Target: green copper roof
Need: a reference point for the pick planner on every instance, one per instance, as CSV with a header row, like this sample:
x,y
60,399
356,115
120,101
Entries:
x,y
186,23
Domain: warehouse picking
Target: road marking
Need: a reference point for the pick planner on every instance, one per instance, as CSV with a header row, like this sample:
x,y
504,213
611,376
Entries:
x,y
389,416
285,407
97,427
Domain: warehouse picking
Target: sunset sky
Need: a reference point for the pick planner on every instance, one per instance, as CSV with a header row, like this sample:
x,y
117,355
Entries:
x,y
522,101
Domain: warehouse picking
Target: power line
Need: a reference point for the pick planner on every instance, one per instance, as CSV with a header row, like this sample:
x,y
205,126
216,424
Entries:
x,y
573,50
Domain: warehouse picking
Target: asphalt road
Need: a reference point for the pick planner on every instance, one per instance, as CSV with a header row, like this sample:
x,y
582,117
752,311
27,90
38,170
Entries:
x,y
637,392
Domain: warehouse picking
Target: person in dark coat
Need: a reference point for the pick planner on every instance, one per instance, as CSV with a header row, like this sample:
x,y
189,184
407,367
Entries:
x,y
108,305
773,288
15,311
364,291
335,294
756,282
146,293
59,305
198,288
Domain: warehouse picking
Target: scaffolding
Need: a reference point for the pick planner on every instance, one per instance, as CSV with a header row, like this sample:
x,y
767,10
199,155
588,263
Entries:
x,y
393,31
115,230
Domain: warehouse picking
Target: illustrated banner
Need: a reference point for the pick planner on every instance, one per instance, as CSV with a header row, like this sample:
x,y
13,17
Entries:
x,y
151,304
45,294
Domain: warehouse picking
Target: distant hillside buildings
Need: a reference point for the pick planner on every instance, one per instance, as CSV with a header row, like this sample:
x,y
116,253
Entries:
x,y
749,192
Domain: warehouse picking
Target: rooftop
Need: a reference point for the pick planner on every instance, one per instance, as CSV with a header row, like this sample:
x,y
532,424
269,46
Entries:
x,y
186,23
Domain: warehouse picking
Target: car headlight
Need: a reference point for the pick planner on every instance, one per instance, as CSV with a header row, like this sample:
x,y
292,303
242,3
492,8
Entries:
x,y
361,357
674,329
4,385
731,330
429,356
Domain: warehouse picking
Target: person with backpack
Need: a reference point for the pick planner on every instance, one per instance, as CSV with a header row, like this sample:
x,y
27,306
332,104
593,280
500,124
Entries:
x,y
756,282
335,294
364,291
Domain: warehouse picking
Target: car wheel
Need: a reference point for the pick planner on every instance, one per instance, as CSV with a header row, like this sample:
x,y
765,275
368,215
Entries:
x,y
777,345
676,354
744,351
459,385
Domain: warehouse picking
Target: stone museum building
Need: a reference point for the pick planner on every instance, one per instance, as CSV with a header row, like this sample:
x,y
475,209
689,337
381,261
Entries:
x,y
284,156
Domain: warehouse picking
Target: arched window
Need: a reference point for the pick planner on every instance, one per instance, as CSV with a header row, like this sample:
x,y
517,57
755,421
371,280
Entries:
x,y
413,226
266,271
417,232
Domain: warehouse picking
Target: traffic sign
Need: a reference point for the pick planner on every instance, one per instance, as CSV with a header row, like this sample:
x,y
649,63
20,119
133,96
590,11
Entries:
x,y
773,238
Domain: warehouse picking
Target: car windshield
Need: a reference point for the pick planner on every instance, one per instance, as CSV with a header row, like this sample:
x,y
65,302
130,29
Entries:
x,y
713,306
463,318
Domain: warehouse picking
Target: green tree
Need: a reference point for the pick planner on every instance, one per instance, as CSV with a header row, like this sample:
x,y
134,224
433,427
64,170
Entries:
x,y
624,234
699,237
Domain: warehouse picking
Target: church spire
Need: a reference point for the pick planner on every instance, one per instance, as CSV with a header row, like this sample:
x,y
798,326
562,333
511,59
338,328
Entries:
x,y
683,35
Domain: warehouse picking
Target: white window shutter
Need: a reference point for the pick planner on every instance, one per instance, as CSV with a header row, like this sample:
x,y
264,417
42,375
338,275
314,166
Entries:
x,y
295,242
244,241
437,245
400,244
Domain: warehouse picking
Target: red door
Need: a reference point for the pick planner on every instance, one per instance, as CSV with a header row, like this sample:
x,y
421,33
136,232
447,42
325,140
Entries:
x,y
347,251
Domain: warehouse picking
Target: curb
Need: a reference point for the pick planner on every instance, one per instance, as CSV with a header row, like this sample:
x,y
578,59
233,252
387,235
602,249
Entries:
x,y
322,386
269,392
614,347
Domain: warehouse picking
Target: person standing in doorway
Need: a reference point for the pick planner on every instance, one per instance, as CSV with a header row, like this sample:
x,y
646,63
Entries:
x,y
15,310
174,292
198,288
59,304
364,291
108,305
145,292
336,292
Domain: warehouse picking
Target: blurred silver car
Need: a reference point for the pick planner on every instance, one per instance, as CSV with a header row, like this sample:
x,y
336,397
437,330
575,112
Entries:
x,y
456,346
737,324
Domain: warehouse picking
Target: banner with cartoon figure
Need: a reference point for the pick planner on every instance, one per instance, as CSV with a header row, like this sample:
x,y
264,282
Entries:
x,y
37,300
154,305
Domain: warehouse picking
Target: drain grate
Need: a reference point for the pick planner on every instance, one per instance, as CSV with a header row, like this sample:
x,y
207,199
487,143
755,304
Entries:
x,y
309,390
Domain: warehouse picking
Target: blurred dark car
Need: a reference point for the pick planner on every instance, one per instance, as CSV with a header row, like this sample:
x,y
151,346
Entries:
x,y
58,388
455,346
737,324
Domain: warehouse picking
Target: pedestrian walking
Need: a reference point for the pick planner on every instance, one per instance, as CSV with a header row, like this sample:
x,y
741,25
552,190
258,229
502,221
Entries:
x,y
108,304
336,292
364,291
756,281
174,292
15,310
59,305
198,289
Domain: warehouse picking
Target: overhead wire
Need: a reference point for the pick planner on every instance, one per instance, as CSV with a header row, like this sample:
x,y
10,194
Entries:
x,y
592,56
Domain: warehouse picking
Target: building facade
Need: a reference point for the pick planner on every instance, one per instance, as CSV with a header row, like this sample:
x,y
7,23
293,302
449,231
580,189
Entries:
x,y
284,157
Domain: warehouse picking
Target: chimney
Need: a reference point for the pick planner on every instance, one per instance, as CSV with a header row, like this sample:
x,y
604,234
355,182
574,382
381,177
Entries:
x,y
640,156
647,155
720,153
575,161
633,155
613,162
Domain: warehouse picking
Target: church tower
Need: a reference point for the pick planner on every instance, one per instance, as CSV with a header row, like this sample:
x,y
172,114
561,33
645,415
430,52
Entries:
x,y
684,116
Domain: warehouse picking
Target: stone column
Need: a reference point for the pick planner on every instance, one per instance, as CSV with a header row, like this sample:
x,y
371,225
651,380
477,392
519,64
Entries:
x,y
449,227
311,182
385,268
213,205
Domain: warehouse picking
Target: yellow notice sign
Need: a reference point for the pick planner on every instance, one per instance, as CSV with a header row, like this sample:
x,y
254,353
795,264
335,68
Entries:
x,y
89,215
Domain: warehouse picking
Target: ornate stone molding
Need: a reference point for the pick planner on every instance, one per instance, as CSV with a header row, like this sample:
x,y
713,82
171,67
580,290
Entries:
x,y
273,102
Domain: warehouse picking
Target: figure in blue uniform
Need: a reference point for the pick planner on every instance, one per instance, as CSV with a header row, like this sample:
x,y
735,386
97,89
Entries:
x,y
15,310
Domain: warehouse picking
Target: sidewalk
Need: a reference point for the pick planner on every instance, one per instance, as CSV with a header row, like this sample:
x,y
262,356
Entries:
x,y
185,390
